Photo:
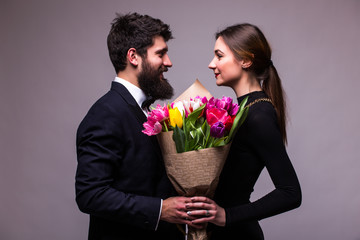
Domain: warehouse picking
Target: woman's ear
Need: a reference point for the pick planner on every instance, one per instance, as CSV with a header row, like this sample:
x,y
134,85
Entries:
x,y
133,57
246,63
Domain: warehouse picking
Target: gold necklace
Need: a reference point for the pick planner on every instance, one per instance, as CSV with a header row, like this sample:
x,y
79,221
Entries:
x,y
259,100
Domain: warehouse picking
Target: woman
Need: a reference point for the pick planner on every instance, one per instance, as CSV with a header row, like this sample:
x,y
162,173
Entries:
x,y
243,62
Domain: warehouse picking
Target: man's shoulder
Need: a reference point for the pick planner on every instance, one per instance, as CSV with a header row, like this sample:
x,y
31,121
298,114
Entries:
x,y
110,104
108,111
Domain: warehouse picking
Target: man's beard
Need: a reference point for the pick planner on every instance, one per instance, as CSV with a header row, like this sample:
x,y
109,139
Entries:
x,y
152,84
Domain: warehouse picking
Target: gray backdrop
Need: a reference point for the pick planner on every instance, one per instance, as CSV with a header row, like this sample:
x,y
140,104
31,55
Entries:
x,y
54,65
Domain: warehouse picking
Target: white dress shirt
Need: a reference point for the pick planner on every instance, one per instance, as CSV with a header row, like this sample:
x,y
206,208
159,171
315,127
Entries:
x,y
135,91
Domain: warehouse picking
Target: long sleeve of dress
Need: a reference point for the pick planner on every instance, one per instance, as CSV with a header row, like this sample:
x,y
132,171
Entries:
x,y
265,140
257,145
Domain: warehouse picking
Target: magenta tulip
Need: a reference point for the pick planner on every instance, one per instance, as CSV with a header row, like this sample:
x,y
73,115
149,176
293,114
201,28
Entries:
x,y
152,128
216,115
159,113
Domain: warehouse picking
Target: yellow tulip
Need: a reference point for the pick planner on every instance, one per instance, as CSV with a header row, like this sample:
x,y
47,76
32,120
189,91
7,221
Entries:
x,y
175,117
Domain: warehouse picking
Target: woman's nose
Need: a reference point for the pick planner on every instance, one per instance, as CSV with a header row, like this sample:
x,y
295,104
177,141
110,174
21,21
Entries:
x,y
212,64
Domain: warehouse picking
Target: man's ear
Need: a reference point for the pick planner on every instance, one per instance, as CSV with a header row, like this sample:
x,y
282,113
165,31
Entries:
x,y
133,57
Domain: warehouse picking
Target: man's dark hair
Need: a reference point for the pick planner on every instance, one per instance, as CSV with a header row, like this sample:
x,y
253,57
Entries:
x,y
133,31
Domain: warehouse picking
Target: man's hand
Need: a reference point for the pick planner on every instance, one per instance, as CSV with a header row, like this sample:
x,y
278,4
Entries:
x,y
174,211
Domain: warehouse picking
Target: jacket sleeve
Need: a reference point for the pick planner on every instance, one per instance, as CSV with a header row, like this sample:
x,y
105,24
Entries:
x,y
100,151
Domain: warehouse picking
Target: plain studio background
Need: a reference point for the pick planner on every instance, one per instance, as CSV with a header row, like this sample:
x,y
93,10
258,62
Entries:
x,y
54,64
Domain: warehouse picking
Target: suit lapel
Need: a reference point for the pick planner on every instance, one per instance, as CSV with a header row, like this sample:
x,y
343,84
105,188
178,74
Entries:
x,y
129,99
140,115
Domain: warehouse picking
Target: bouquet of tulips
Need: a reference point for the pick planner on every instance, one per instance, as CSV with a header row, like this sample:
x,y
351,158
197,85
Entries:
x,y
195,135
198,123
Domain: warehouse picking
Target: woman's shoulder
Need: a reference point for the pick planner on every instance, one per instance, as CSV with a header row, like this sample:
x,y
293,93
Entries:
x,y
260,106
261,113
262,123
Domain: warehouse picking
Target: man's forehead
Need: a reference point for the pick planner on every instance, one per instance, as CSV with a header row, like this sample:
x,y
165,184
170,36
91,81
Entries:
x,y
159,44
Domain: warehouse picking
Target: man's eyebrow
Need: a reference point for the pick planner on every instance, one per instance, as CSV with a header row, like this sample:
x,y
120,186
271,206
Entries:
x,y
162,50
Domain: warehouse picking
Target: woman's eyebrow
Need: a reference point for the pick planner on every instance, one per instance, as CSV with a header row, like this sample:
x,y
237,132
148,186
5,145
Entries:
x,y
218,51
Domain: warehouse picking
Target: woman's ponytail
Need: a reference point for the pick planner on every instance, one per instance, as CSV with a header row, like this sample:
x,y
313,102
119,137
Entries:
x,y
273,88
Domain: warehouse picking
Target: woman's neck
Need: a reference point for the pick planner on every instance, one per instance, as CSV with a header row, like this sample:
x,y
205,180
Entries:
x,y
245,85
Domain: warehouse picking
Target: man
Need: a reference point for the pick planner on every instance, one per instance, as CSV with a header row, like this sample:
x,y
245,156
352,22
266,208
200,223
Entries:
x,y
120,179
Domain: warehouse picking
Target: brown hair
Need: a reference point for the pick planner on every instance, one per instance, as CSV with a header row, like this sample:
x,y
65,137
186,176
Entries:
x,y
246,41
133,30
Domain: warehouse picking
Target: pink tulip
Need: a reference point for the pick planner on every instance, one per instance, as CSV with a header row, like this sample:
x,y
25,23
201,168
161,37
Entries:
x,y
159,113
201,99
224,103
234,109
152,128
211,103
214,115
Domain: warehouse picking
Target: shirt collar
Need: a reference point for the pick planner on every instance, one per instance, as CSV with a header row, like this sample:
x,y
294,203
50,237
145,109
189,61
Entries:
x,y
136,92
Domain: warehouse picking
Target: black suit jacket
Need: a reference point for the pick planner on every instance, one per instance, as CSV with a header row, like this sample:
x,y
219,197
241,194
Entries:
x,y
120,176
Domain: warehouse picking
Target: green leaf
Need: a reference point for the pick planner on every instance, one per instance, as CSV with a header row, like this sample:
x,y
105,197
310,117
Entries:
x,y
190,126
195,139
179,139
210,142
199,122
239,119
220,142
243,116
186,132
195,114
206,131
243,103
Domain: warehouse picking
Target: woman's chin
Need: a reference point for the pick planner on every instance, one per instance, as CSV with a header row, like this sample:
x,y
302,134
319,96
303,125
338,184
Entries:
x,y
219,82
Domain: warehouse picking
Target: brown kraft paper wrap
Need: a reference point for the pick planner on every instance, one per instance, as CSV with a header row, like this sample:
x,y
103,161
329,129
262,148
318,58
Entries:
x,y
193,173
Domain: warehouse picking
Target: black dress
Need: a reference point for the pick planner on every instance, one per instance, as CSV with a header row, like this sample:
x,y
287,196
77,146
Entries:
x,y
257,144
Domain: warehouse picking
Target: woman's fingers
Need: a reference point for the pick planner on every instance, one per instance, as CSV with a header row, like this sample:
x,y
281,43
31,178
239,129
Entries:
x,y
203,209
201,213
201,199
201,203
202,216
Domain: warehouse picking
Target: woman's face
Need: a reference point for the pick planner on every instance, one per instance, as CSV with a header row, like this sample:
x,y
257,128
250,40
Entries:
x,y
226,67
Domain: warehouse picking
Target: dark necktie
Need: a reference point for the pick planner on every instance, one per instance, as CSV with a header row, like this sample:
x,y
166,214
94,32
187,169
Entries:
x,y
148,101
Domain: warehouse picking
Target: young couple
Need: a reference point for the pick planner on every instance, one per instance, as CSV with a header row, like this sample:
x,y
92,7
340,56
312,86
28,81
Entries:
x,y
121,181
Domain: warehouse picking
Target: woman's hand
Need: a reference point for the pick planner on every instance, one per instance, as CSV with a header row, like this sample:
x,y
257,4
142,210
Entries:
x,y
203,209
174,211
